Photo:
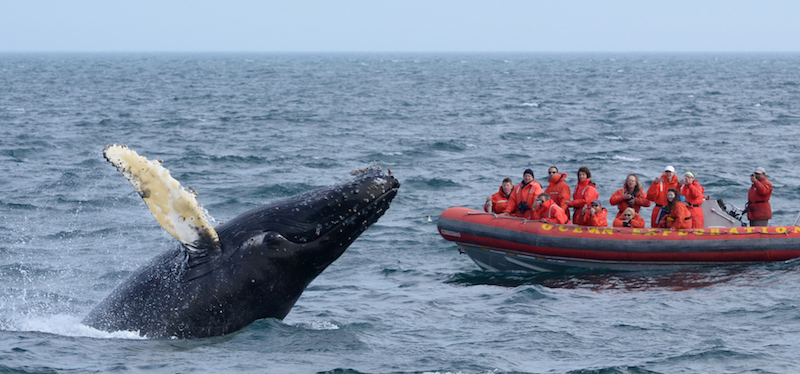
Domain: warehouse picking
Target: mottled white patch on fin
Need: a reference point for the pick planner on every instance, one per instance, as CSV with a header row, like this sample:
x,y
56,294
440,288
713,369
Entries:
x,y
173,206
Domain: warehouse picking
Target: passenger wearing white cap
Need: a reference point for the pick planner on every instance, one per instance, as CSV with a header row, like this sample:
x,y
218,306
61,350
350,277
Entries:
x,y
693,192
758,209
657,192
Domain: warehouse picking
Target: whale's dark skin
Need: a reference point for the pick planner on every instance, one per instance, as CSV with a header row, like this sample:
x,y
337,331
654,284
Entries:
x,y
265,259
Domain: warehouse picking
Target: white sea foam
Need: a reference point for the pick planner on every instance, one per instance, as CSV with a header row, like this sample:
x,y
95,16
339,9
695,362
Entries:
x,y
534,105
319,325
65,325
623,158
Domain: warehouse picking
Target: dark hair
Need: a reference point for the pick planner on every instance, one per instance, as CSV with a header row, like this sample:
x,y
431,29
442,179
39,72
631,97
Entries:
x,y
552,167
543,196
585,170
677,197
508,180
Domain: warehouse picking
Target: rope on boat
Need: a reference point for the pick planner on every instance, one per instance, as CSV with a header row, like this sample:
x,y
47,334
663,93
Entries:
x,y
524,220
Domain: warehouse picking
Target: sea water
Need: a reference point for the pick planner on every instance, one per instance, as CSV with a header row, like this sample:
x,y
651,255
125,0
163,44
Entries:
x,y
246,129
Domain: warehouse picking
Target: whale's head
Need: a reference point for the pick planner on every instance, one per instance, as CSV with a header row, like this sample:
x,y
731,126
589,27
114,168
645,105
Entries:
x,y
317,226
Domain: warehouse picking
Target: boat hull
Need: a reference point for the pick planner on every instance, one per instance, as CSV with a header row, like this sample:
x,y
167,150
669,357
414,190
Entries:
x,y
507,243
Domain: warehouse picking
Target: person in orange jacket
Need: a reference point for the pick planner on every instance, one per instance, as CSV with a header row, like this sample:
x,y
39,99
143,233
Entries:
x,y
558,189
658,192
693,192
594,215
758,209
498,202
629,218
679,216
585,193
524,195
631,195
546,210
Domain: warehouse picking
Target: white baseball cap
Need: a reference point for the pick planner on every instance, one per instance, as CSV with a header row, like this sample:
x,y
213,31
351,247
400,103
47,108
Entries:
x,y
669,168
760,170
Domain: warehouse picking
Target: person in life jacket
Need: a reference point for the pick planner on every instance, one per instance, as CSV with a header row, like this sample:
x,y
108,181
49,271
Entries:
x,y
693,192
546,210
558,189
524,195
629,218
679,216
758,209
594,215
658,192
585,193
631,195
498,202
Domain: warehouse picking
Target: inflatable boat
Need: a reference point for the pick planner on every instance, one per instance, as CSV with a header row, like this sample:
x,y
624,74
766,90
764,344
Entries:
x,y
501,243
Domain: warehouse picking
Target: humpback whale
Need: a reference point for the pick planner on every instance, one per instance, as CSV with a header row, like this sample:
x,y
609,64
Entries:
x,y
220,279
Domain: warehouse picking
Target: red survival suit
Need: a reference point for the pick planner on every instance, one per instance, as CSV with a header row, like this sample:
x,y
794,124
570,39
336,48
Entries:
x,y
599,219
585,193
658,194
551,212
758,206
679,217
499,201
694,196
527,193
639,200
637,221
559,191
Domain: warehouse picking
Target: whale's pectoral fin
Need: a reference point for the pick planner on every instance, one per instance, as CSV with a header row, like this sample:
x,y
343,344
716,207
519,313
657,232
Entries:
x,y
173,206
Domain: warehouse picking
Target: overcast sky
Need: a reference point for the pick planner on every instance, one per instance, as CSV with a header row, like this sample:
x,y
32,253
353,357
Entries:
x,y
399,26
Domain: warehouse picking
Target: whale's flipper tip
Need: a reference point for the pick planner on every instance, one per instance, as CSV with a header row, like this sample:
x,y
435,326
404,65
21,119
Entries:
x,y
174,207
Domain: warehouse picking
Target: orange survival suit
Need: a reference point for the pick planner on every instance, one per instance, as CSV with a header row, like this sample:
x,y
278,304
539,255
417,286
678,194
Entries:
x,y
658,193
758,206
585,193
523,193
694,196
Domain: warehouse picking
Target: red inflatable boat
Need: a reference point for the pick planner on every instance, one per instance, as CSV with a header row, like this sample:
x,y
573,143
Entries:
x,y
501,243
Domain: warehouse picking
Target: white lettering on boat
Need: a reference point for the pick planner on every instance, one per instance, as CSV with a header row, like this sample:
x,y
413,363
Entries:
x,y
451,233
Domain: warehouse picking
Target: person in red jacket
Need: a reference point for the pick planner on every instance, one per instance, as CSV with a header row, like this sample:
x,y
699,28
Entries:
x,y
558,189
629,218
595,215
693,192
679,216
658,192
524,195
546,210
498,202
585,193
758,209
631,195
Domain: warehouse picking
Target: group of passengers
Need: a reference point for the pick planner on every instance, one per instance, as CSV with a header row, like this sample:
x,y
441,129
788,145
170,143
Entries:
x,y
678,201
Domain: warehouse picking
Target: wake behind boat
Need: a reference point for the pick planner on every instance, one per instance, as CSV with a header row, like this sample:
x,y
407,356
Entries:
x,y
500,243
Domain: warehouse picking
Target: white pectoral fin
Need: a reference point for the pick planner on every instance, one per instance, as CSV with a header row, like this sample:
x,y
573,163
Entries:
x,y
173,206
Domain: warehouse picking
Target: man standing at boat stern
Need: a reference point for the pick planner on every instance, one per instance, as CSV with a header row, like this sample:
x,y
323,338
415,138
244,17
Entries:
x,y
758,209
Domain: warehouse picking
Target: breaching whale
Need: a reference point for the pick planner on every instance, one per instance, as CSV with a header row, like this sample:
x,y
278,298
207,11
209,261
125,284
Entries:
x,y
220,279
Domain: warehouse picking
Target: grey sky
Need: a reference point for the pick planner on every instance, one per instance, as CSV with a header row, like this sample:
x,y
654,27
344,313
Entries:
x,y
400,26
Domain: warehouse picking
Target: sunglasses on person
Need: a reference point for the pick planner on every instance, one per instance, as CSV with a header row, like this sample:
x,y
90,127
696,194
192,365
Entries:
x,y
595,205
553,172
627,215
